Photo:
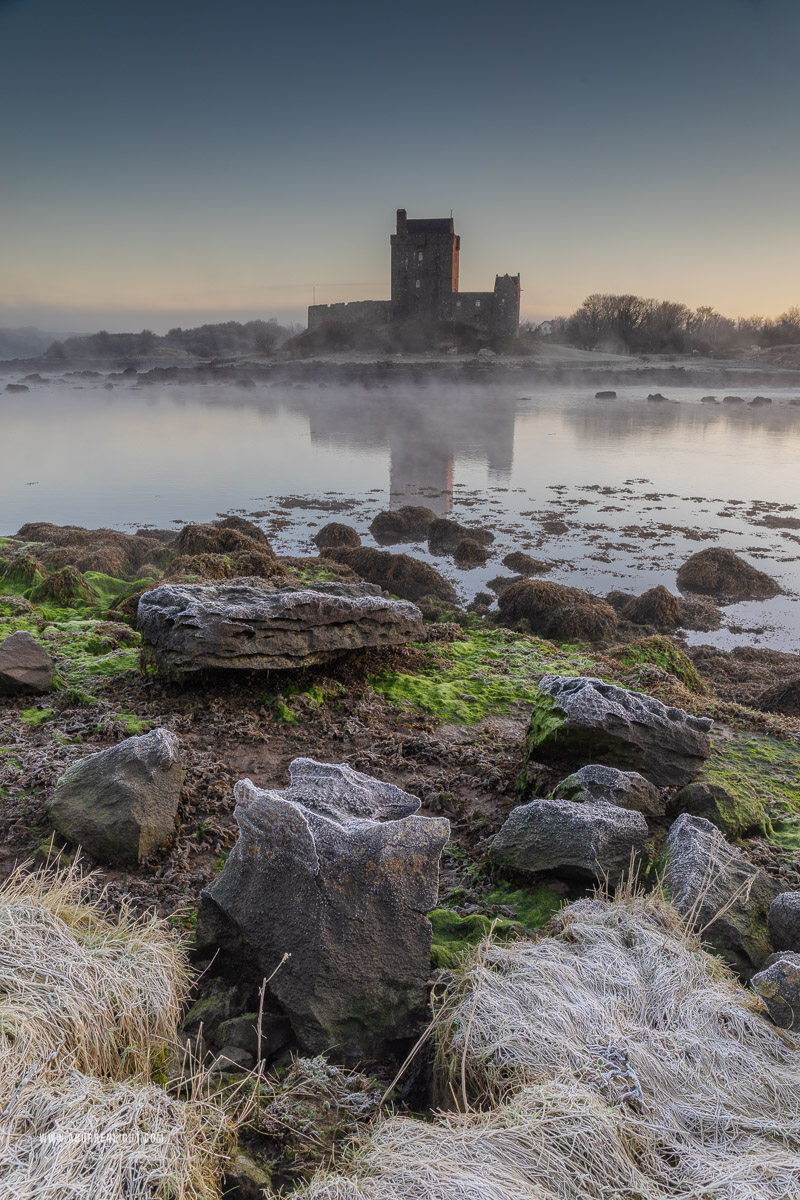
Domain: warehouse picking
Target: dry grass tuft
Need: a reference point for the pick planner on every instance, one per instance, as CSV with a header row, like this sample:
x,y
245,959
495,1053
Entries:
x,y
612,1059
88,1009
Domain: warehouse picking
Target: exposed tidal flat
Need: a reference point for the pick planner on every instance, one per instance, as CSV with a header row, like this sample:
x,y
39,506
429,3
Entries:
x,y
348,679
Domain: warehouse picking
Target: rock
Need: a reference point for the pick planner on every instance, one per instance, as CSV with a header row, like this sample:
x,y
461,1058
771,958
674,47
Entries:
x,y
397,573
17,387
120,805
656,607
336,534
444,536
244,1179
524,564
784,922
486,355
232,1059
411,523
593,840
725,895
733,399
778,985
587,719
760,401
194,627
626,789
25,666
469,553
708,399
605,395
553,610
733,816
719,572
782,697
338,872
658,397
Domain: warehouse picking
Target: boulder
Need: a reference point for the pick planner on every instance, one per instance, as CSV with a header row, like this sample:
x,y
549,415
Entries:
x,y
194,627
469,553
585,718
445,535
733,815
120,805
778,985
724,896
411,523
25,666
721,573
625,789
593,840
784,922
608,395
338,872
336,534
397,573
525,564
656,607
554,610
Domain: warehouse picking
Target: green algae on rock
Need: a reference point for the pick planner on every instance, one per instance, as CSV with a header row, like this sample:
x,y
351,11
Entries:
x,y
661,652
761,774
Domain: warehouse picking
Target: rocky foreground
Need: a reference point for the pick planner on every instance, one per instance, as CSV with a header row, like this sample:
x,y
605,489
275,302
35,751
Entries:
x,y
338,781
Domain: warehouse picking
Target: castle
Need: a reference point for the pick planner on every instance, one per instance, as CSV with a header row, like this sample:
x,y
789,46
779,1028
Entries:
x,y
425,286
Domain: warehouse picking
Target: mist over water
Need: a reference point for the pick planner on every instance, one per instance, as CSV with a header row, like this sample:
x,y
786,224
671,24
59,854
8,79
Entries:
x,y
616,493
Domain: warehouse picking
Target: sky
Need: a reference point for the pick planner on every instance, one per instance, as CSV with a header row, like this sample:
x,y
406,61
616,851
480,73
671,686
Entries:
x,y
171,162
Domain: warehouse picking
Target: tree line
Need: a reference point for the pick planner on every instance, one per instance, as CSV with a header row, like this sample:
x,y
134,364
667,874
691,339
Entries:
x,y
227,339
637,325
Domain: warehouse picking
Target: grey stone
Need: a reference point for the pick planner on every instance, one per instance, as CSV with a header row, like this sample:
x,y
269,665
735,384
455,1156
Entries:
x,y
734,815
245,1179
626,789
587,719
25,666
778,985
784,921
120,805
232,1059
193,627
338,872
590,841
727,897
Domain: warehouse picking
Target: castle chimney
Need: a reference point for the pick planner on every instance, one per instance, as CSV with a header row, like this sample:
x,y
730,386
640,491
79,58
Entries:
x,y
402,221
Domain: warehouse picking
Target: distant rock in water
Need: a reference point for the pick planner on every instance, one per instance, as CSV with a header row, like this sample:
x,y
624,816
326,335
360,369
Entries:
x,y
585,718
411,523
338,872
708,399
17,387
721,573
25,666
196,627
605,395
397,573
760,401
657,396
524,564
733,399
469,553
336,534
120,805
444,536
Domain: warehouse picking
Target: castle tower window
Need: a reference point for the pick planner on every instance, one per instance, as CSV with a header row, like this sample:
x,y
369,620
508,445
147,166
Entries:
x,y
416,284
420,256
477,303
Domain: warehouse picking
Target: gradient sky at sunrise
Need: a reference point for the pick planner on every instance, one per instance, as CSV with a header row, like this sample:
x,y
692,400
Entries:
x,y
173,161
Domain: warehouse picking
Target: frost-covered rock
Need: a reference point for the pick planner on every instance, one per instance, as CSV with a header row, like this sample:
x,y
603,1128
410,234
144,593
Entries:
x,y
194,627
120,805
778,985
784,922
587,719
593,840
626,789
338,872
725,896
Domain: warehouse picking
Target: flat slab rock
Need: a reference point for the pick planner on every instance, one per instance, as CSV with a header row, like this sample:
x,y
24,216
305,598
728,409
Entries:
x,y
725,895
194,627
25,666
602,723
338,871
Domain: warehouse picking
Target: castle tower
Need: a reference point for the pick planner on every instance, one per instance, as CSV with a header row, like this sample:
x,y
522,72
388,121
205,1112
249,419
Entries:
x,y
424,267
506,305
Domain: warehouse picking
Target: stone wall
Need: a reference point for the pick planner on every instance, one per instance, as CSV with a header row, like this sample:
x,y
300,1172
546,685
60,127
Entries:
x,y
357,312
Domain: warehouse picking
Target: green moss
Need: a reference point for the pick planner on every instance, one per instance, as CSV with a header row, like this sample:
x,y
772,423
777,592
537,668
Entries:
x,y
761,774
734,813
661,652
534,906
453,935
491,671
786,834
36,716
134,726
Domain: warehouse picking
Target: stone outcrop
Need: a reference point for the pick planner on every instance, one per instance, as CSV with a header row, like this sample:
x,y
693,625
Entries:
x,y
593,840
590,720
626,789
784,922
120,805
400,574
339,872
778,985
725,895
25,666
193,627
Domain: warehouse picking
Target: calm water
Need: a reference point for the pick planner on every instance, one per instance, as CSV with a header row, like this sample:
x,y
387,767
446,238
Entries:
x,y
638,485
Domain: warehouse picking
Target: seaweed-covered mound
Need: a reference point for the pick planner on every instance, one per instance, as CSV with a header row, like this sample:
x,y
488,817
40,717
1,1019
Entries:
x,y
612,1058
656,607
400,574
335,533
410,523
719,572
556,611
